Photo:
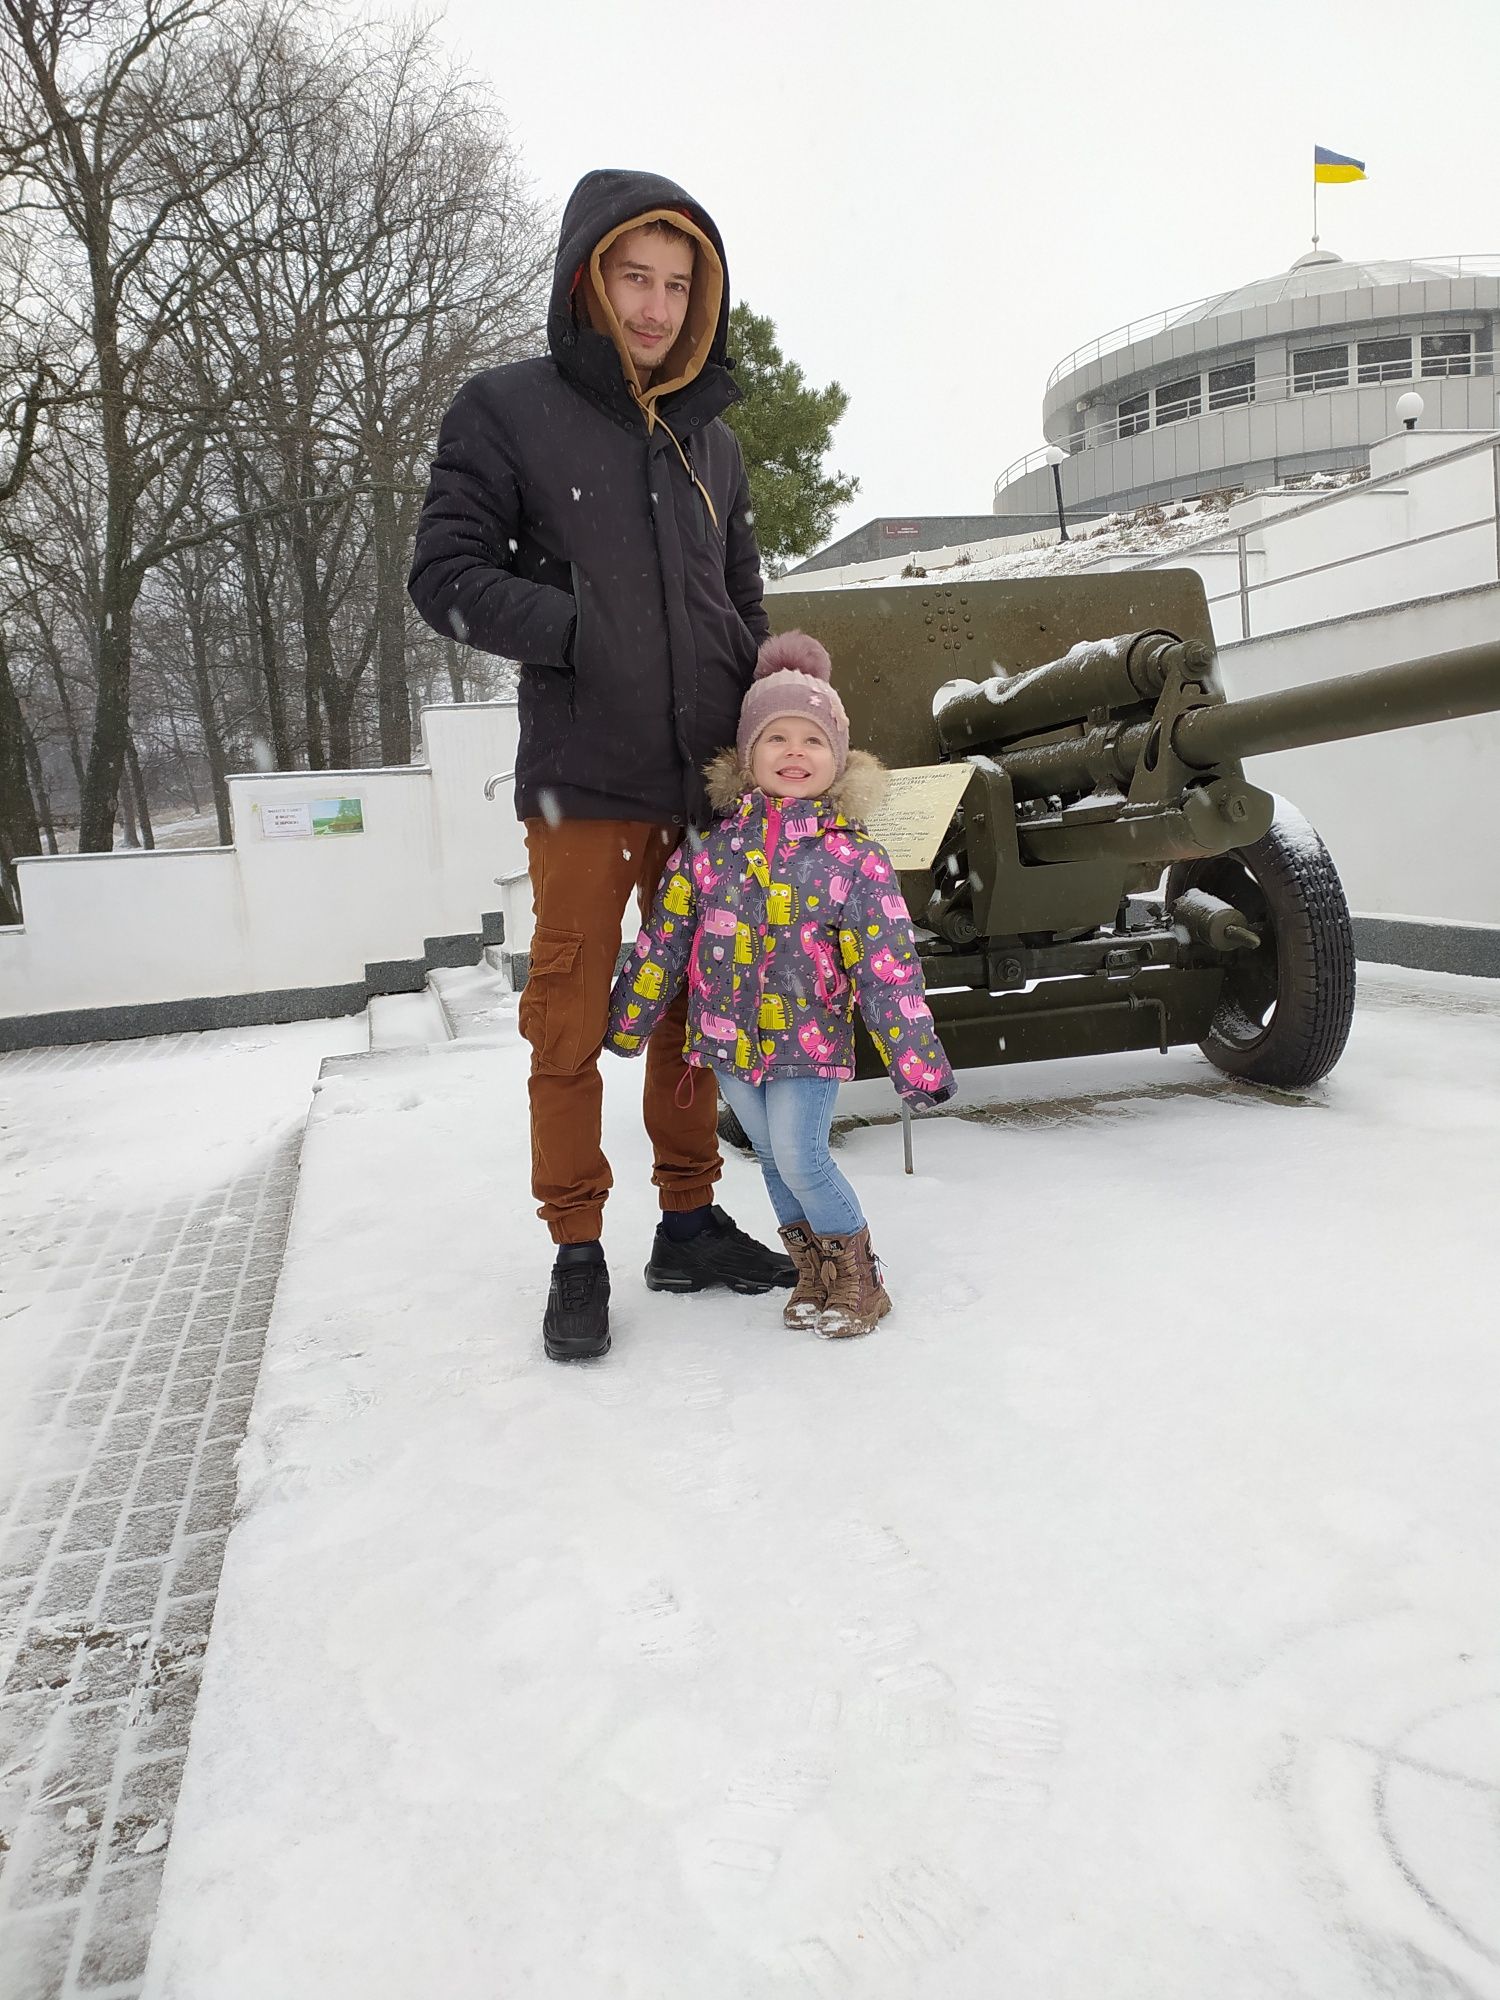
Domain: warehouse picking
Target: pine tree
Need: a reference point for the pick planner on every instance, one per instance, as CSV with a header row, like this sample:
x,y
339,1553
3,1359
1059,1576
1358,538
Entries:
x,y
785,427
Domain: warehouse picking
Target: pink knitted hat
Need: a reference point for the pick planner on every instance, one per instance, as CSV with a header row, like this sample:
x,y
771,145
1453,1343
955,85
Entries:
x,y
793,676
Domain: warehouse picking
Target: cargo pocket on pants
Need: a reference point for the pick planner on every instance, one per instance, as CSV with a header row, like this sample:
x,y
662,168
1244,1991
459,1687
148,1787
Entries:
x,y
552,1000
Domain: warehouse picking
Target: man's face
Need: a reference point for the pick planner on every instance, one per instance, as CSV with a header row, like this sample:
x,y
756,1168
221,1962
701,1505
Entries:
x,y
648,278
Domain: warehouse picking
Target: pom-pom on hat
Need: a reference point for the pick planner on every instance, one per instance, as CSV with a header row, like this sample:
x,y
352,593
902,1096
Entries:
x,y
793,676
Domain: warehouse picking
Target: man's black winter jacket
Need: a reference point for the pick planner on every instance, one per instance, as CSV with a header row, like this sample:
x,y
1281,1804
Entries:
x,y
562,529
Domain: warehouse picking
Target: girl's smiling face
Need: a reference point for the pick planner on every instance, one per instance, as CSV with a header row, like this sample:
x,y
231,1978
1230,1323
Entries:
x,y
792,759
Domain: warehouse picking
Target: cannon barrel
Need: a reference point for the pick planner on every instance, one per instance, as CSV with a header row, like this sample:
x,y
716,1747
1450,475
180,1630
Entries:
x,y
1119,672
1440,688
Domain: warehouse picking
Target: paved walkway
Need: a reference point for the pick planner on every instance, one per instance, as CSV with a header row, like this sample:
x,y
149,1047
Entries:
x,y
111,1547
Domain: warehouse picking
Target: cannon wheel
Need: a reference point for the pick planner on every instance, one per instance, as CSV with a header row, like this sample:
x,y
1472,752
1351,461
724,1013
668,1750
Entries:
x,y
732,1132
1284,1015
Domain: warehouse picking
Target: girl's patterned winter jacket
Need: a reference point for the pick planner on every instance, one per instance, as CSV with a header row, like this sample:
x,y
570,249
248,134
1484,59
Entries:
x,y
783,917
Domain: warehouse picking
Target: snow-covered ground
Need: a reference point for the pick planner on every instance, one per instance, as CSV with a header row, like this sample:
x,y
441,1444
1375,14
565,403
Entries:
x,y
195,829
101,1130
171,826
1141,534
1118,1620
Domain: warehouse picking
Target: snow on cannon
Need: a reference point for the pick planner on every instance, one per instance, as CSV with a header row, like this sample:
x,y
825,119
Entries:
x,y
1088,867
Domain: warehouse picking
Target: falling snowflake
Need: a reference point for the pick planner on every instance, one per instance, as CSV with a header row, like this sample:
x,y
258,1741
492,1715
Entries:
x,y
551,810
459,623
577,492
512,545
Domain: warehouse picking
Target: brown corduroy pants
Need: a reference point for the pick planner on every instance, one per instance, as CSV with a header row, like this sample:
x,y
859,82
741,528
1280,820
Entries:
x,y
582,874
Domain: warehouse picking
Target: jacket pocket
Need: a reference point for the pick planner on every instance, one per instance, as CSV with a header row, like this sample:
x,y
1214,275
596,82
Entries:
x,y
547,702
575,578
552,1011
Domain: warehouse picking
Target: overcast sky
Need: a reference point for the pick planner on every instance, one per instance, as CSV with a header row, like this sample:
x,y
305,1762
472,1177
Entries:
x,y
936,202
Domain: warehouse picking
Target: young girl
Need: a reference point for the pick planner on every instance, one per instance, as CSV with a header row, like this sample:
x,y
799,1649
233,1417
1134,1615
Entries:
x,y
781,918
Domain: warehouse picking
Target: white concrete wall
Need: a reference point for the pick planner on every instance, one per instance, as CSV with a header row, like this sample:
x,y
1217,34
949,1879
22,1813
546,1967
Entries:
x,y
129,928
1412,819
1424,525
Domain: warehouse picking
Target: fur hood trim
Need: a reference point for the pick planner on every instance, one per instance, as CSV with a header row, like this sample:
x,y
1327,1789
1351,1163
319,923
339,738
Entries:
x,y
856,795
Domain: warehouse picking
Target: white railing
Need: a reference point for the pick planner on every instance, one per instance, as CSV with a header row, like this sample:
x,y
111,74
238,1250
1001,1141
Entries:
x,y
1465,266
1265,389
1032,462
1132,331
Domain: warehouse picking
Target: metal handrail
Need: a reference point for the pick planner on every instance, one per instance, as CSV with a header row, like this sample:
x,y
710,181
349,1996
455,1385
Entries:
x,y
1265,389
1032,462
1124,336
1244,589
1484,264
1316,501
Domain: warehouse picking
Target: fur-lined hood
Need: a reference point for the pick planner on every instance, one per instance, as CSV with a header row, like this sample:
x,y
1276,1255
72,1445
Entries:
x,y
856,795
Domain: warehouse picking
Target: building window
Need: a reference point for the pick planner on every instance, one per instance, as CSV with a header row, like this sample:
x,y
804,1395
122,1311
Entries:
x,y
1320,368
1231,385
1135,415
1447,353
1176,400
1385,360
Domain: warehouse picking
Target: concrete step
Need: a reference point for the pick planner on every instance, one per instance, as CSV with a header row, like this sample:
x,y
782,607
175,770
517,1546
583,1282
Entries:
x,y
407,1021
477,1001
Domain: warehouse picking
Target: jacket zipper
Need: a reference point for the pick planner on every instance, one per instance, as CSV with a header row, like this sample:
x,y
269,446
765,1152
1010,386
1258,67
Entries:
x,y
773,836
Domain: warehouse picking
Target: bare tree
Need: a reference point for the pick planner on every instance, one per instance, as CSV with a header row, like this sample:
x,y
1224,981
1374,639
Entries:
x,y
409,253
107,109
267,250
26,377
450,278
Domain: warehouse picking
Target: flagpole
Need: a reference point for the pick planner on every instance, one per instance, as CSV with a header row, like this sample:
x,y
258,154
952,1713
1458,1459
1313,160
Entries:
x,y
1315,205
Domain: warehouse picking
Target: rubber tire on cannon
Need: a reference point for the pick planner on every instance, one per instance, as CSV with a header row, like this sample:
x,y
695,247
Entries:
x,y
1286,1007
732,1132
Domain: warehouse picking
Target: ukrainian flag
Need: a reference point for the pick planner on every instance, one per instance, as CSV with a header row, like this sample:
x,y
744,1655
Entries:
x,y
1335,166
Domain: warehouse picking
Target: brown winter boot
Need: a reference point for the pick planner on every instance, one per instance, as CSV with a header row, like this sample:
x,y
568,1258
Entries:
x,y
856,1297
808,1300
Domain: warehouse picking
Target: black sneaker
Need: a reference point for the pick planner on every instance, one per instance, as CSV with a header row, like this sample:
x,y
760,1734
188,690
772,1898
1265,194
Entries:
x,y
575,1326
720,1254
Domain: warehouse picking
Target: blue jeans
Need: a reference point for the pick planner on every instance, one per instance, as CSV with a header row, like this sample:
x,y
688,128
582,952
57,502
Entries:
x,y
786,1120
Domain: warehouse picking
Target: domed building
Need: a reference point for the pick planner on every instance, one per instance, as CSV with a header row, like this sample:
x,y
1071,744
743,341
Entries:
x,y
1294,374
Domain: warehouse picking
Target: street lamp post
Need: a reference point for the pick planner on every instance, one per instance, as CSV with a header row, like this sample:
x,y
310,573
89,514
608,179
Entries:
x,y
1055,457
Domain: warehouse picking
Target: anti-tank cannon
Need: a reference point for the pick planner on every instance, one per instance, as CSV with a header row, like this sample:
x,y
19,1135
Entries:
x,y
1103,876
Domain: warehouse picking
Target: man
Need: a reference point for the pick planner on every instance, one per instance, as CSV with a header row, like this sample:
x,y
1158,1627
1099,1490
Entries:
x,y
589,516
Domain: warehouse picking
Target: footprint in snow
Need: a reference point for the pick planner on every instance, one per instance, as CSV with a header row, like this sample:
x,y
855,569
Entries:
x,y
1019,1737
